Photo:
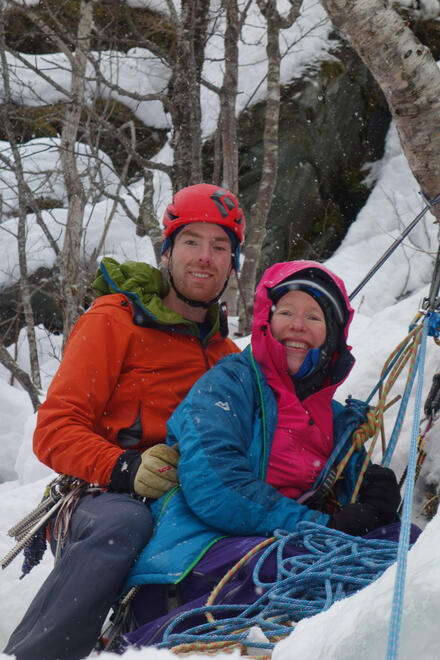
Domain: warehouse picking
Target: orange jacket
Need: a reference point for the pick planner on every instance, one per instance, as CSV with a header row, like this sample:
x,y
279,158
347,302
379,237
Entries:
x,y
116,387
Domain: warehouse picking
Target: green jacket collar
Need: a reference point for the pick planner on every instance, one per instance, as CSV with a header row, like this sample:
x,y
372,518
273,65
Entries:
x,y
147,287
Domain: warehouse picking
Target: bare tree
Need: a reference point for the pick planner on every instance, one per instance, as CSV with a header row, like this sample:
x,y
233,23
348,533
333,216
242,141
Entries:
x,y
260,209
21,237
408,76
147,222
69,258
77,115
228,94
184,92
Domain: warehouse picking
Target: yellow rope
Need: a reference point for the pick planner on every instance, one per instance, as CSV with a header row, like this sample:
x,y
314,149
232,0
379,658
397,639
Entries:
x,y
375,417
214,593
208,648
225,646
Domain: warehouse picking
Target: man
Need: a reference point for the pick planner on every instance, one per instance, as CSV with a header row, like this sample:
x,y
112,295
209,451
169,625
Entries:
x,y
128,363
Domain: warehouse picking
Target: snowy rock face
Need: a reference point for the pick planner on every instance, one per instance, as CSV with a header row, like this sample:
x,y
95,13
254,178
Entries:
x,y
333,121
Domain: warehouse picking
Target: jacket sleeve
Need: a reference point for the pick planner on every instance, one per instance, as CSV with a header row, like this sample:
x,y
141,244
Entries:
x,y
224,457
66,438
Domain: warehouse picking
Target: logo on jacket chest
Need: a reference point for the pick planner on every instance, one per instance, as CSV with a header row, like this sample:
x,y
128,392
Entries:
x,y
224,405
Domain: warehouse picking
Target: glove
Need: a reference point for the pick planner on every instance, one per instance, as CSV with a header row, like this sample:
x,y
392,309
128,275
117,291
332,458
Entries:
x,y
355,519
157,472
381,491
150,474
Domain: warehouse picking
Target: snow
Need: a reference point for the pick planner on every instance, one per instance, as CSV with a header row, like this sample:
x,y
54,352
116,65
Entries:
x,y
357,627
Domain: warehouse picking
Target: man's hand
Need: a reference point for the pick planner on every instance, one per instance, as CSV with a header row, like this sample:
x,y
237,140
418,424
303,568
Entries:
x,y
157,472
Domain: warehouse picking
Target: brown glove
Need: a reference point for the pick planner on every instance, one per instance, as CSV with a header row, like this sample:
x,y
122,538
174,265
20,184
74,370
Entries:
x,y
157,472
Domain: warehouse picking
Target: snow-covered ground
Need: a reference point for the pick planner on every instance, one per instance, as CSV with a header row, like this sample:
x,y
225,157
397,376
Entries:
x,y
355,628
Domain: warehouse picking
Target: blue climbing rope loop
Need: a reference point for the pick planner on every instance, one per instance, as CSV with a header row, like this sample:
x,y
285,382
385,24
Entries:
x,y
332,565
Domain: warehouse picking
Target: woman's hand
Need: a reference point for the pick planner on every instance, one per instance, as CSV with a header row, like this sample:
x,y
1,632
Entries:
x,y
381,490
355,519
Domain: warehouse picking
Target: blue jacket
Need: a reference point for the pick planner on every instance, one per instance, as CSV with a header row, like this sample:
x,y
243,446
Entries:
x,y
225,428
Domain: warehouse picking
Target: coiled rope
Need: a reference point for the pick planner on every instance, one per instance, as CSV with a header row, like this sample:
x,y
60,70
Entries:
x,y
334,565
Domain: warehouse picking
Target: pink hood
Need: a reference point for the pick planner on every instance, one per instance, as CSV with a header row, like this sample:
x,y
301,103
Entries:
x,y
260,325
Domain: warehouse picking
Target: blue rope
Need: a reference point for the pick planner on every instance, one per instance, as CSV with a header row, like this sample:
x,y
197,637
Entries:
x,y
402,411
386,372
334,565
399,587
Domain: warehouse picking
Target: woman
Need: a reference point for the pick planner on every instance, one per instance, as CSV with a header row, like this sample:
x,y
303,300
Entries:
x,y
255,433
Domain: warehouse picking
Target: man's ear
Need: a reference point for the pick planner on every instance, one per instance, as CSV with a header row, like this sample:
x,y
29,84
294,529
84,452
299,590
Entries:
x,y
165,258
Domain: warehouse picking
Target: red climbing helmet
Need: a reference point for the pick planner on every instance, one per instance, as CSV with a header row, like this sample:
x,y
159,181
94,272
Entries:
x,y
204,202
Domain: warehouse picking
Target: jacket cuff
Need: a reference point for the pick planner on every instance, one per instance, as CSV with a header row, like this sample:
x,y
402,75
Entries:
x,y
124,471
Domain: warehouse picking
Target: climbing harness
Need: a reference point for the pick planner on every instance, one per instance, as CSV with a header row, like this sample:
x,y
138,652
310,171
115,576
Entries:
x,y
60,497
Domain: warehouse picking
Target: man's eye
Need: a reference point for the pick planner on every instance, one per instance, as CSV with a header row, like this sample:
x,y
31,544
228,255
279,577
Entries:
x,y
190,241
219,248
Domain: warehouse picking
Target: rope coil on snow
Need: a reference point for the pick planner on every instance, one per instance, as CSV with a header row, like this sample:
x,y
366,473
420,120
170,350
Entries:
x,y
333,566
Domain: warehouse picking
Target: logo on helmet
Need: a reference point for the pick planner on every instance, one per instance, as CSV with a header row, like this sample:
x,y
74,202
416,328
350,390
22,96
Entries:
x,y
225,204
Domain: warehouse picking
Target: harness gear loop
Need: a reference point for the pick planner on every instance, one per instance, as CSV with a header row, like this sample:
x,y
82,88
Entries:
x,y
68,505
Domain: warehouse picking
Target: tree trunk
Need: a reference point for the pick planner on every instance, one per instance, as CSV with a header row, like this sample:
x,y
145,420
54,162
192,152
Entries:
x,y
71,284
256,228
22,219
185,93
408,76
228,96
147,222
22,377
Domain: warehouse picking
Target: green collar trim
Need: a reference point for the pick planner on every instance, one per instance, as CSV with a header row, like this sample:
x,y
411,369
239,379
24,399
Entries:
x,y
147,287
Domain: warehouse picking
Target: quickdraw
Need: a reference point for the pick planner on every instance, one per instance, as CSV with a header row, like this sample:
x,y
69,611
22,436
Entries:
x,y
61,495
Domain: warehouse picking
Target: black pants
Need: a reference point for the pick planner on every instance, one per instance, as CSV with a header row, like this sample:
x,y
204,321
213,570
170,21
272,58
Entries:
x,y
64,620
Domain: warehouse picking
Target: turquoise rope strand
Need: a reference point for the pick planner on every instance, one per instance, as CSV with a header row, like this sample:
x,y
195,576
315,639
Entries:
x,y
402,551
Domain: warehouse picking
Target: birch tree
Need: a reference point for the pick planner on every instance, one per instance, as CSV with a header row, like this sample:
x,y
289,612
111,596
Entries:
x,y
408,76
187,62
33,384
72,289
259,211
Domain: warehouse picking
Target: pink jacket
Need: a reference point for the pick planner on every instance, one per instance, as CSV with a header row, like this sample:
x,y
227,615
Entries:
x,y
303,439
